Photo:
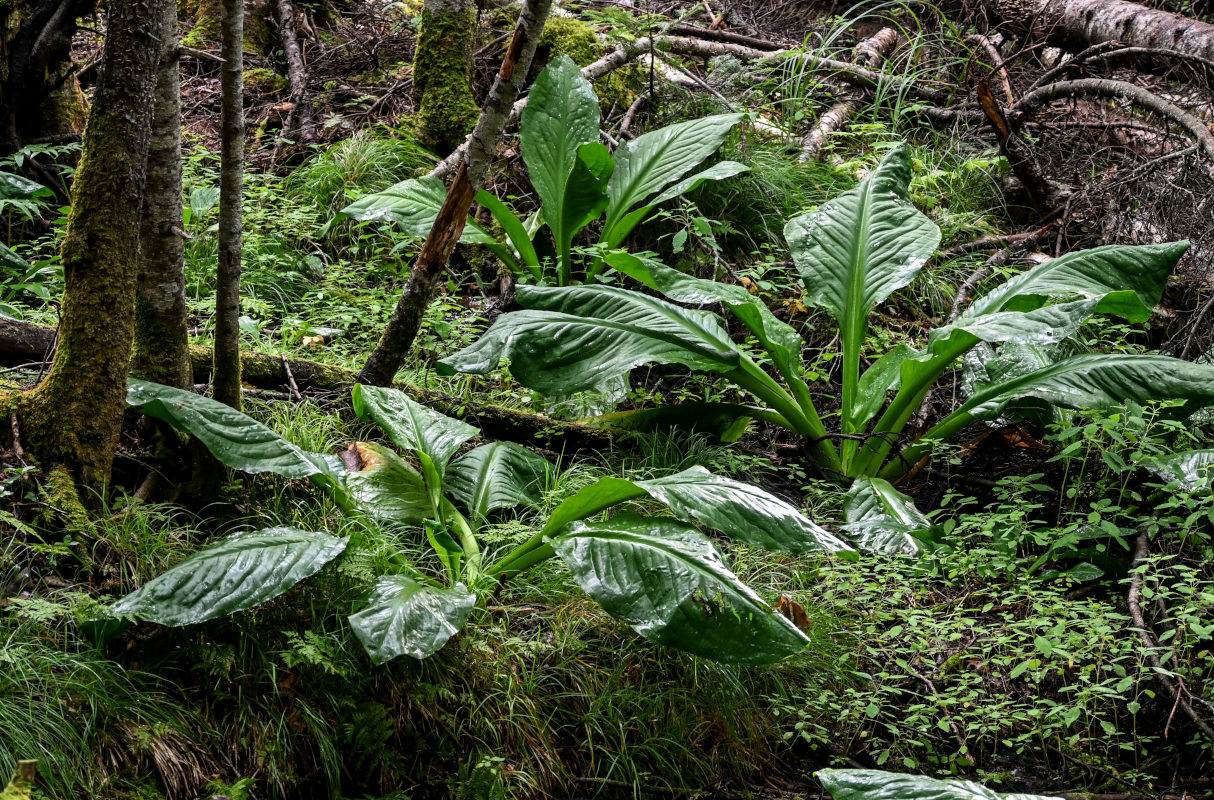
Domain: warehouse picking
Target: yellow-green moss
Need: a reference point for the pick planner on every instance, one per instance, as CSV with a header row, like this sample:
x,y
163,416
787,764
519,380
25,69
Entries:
x,y
22,784
58,493
265,80
566,36
442,79
205,31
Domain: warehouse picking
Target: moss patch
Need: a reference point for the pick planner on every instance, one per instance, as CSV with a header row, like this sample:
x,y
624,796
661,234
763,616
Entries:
x,y
442,77
265,81
566,36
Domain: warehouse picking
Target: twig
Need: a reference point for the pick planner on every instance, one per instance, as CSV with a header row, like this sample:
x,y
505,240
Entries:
x,y
1177,690
725,36
18,450
630,115
1031,102
973,279
1024,240
290,378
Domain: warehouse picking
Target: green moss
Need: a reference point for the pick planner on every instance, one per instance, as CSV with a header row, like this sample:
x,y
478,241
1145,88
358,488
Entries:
x,y
566,36
58,492
265,80
205,31
20,786
442,79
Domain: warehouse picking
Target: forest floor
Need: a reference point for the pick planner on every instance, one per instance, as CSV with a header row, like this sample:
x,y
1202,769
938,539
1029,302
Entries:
x,y
1008,657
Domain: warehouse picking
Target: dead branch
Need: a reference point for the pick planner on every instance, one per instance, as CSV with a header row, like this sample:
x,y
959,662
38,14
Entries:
x,y
1176,689
299,122
1114,90
869,53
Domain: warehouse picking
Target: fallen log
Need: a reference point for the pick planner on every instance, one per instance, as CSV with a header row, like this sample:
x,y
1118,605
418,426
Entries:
x,y
23,342
299,121
1074,25
869,53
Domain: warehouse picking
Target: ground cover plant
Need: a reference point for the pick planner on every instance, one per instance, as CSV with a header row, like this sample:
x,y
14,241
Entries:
x,y
900,315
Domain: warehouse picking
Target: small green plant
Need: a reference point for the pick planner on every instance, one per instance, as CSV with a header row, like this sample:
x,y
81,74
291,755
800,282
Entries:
x,y
576,178
853,253
659,574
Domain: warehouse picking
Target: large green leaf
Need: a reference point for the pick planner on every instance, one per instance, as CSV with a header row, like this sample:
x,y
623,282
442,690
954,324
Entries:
x,y
667,580
741,511
562,114
12,262
388,488
407,618
584,338
656,159
612,236
858,248
414,205
777,337
235,439
516,231
1192,469
882,519
873,784
1080,382
412,425
583,200
1127,280
240,572
18,187
497,475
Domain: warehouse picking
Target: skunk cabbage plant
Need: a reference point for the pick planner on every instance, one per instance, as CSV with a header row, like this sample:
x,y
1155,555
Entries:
x,y
659,573
852,253
575,178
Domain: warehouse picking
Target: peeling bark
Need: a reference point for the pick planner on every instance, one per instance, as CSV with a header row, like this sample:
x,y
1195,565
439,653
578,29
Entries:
x,y
1077,24
869,53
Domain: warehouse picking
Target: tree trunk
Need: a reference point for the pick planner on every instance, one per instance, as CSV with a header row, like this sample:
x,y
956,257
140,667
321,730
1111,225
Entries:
x,y
74,416
227,283
406,319
1077,24
162,352
38,98
442,74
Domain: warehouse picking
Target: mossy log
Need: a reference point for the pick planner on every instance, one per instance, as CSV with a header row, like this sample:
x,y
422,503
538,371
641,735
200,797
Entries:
x,y
23,342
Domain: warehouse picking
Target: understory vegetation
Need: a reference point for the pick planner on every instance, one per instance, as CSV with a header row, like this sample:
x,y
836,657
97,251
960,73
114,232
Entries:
x,y
920,471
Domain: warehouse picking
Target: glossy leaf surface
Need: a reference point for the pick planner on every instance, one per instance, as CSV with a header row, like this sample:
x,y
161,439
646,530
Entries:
x,y
562,114
235,439
668,581
410,424
388,488
1192,469
497,475
585,338
872,784
408,618
882,519
240,572
413,205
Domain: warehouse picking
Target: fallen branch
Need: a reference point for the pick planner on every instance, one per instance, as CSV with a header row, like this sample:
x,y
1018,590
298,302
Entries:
x,y
299,120
22,341
869,53
1024,240
1177,690
1030,103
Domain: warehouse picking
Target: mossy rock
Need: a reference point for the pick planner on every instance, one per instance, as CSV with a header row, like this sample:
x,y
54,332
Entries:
x,y
259,38
205,31
566,36
263,80
20,787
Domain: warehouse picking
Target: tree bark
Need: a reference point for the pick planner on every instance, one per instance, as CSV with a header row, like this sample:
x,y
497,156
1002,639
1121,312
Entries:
x,y
1076,24
442,74
38,95
74,416
231,177
406,319
299,121
162,352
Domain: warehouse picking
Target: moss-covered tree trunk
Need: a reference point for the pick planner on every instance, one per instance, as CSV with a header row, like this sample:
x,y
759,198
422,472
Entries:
x,y
162,352
442,74
226,387
75,415
37,96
